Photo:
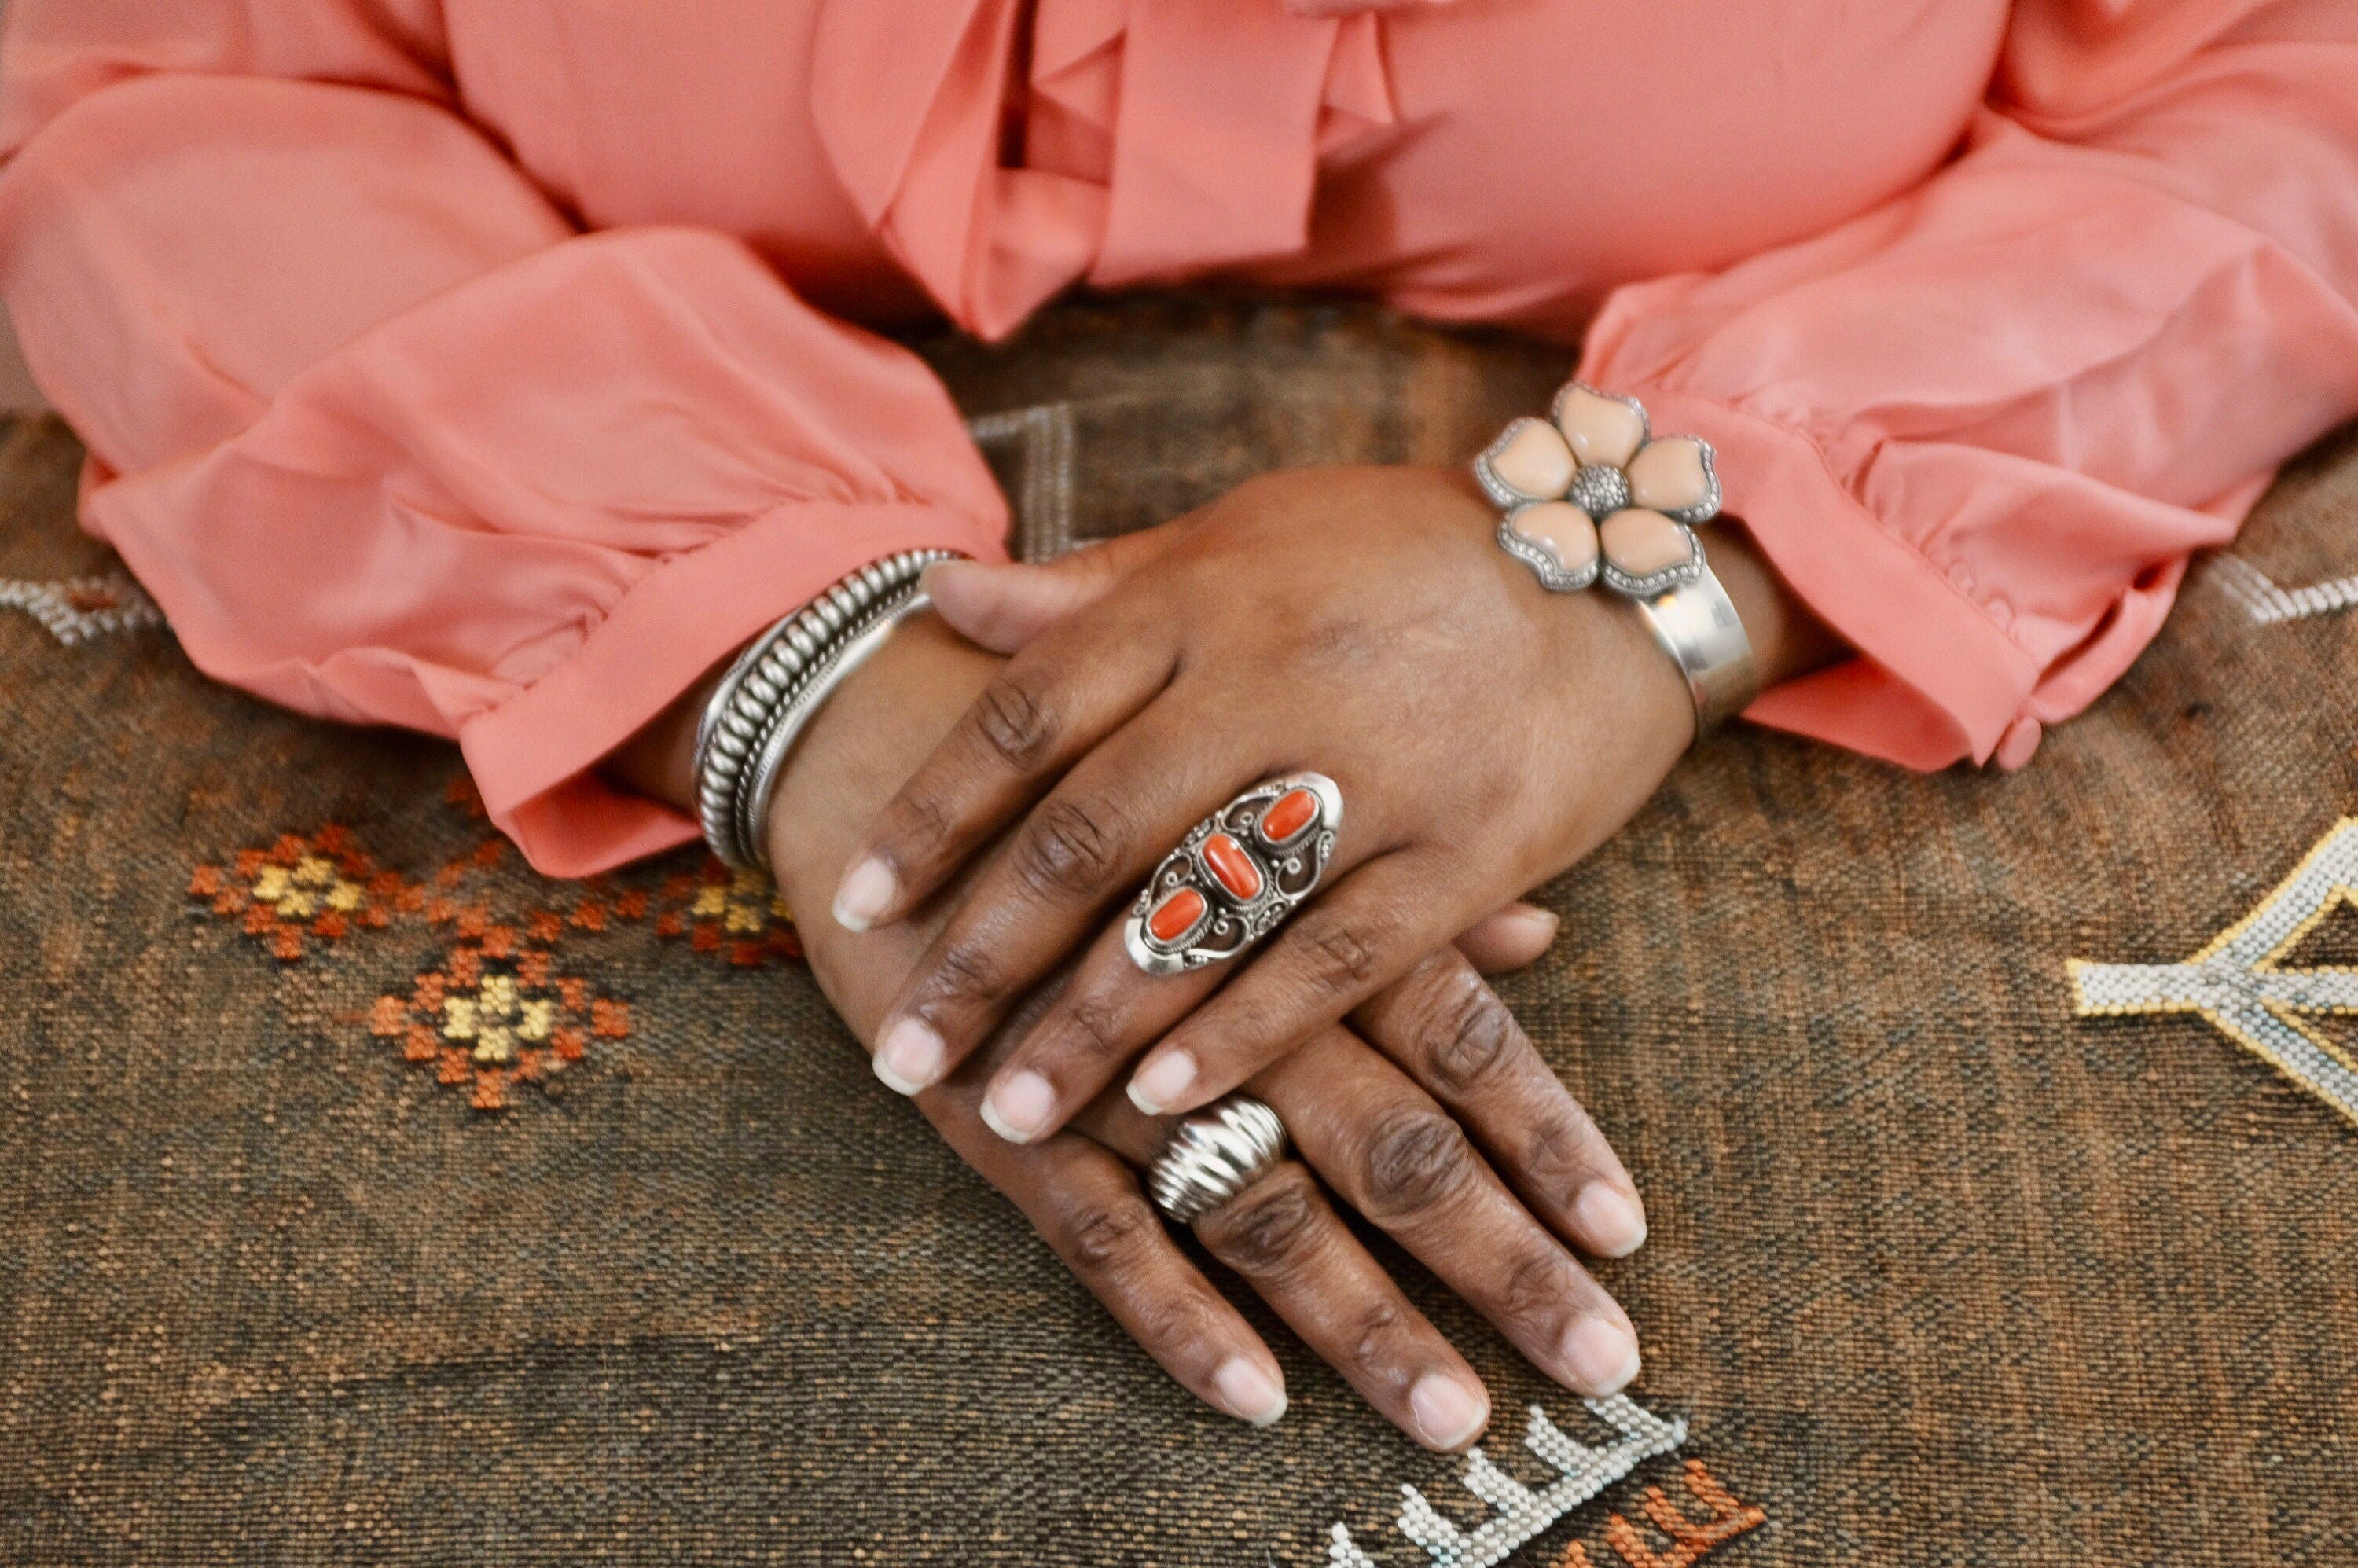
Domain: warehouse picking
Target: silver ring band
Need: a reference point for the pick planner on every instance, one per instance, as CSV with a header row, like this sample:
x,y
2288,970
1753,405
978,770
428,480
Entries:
x,y
1237,875
1215,1155
1697,625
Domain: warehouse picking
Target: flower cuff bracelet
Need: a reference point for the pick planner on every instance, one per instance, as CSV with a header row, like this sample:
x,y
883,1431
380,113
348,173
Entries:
x,y
1590,494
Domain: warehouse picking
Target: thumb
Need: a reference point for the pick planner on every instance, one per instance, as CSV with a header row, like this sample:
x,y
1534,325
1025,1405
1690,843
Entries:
x,y
1003,606
1514,937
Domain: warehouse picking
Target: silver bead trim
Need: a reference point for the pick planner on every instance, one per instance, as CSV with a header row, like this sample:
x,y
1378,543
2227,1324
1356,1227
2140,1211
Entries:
x,y
1647,586
1542,560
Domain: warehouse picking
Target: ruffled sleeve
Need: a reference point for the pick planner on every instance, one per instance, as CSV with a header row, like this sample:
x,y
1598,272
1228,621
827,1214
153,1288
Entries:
x,y
389,440
1980,429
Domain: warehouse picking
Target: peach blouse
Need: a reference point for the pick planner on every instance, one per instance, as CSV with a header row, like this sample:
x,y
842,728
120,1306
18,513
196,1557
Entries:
x,y
488,366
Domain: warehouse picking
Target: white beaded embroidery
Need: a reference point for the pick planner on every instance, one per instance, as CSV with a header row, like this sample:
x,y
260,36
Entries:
x,y
82,608
2267,604
2235,982
1518,1513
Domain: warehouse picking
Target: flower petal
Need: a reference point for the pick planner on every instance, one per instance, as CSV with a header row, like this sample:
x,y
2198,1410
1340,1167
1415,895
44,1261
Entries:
x,y
1673,475
1601,429
1561,529
1639,543
1531,461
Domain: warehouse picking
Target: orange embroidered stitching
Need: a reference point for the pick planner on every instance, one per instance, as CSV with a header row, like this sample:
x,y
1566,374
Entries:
x,y
1694,1539
491,1020
320,886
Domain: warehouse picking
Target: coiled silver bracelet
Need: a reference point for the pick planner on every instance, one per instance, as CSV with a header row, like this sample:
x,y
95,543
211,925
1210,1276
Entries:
x,y
762,703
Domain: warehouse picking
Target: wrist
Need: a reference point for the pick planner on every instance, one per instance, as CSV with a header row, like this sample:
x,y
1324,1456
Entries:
x,y
1787,638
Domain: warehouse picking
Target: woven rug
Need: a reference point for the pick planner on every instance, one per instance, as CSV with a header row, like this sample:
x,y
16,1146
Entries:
x,y
364,1197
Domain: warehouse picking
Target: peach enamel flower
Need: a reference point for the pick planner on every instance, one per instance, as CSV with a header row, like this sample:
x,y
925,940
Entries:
x,y
1591,492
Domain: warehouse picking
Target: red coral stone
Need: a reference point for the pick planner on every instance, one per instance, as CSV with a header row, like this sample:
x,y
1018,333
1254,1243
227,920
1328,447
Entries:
x,y
1294,810
1237,873
1175,915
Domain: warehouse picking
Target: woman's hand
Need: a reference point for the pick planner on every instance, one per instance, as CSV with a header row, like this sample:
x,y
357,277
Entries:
x,y
1361,622
1377,1112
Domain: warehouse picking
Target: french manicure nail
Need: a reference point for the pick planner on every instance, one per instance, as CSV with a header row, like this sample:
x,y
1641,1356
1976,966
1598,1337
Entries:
x,y
1446,1413
1248,1392
867,892
1612,1223
1019,1108
1161,1082
1539,923
909,1057
1602,1354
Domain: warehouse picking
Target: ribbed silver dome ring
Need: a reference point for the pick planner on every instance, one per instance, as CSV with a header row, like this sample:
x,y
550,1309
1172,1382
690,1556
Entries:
x,y
1215,1155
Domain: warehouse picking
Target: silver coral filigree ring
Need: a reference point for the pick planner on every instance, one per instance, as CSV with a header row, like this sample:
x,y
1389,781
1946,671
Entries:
x,y
1215,1155
1240,873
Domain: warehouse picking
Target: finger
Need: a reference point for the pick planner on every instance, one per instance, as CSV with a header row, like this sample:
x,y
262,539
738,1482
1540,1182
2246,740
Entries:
x,y
1349,943
1516,935
1404,1163
1089,1207
1285,1239
1449,1031
1077,854
1048,706
1109,1011
1004,606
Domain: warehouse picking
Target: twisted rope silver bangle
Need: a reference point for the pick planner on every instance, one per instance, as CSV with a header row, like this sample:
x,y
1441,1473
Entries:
x,y
757,708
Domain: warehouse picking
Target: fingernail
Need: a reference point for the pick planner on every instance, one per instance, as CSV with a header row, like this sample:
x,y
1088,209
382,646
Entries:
x,y
866,893
1446,1413
909,1057
1541,923
1612,1223
931,578
1602,1356
1158,1085
1019,1108
1248,1392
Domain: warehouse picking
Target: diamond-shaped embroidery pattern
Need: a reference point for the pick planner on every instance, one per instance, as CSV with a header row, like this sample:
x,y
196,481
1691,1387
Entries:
x,y
495,1016
320,888
738,913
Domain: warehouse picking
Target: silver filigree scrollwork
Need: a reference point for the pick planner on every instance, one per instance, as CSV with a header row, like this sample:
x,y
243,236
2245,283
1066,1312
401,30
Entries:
x,y
1235,876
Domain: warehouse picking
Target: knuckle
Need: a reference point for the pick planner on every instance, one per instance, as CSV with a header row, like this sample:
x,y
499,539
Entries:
x,y
1269,1231
1536,1289
1093,1023
1375,1334
1338,952
1175,1323
1562,1152
1012,720
1106,1234
1462,1033
1070,847
1415,1159
921,820
965,974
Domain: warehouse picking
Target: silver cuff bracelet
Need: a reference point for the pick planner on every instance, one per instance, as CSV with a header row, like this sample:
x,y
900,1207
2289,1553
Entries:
x,y
1696,624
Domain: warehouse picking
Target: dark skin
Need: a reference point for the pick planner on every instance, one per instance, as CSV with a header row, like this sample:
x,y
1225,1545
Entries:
x,y
1426,1108
1485,734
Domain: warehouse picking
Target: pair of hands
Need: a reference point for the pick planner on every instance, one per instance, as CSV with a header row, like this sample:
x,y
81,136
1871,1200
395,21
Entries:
x,y
1485,734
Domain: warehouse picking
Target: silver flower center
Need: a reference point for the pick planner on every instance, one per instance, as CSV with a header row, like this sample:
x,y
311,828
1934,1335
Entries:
x,y
1600,490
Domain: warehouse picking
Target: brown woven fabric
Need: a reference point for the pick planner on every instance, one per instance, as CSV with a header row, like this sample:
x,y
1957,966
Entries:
x,y
1940,1274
